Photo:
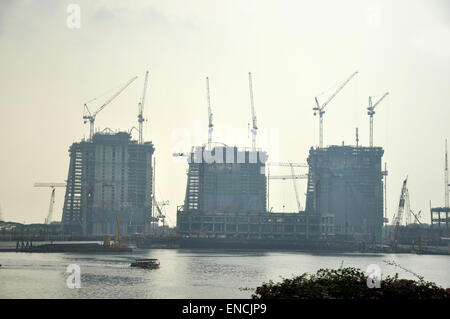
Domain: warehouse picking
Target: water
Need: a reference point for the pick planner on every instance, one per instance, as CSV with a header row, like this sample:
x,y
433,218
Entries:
x,y
186,273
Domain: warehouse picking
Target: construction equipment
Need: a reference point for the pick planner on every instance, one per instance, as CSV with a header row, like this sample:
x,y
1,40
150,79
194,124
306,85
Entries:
x,y
286,164
254,125
210,115
446,177
49,217
301,176
293,176
371,112
299,206
417,217
397,220
320,108
141,111
118,237
88,116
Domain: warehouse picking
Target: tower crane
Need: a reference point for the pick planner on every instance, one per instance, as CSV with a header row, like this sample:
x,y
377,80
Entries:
x,y
88,116
299,206
320,108
141,110
49,217
254,125
210,115
446,177
371,112
287,164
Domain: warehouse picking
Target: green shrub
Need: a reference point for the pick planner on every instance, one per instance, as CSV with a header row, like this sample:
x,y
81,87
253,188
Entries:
x,y
348,283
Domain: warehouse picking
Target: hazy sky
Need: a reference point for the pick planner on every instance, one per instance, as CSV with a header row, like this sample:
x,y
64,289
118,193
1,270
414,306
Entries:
x,y
295,51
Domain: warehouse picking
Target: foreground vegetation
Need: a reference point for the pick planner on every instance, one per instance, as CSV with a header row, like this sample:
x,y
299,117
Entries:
x,y
349,283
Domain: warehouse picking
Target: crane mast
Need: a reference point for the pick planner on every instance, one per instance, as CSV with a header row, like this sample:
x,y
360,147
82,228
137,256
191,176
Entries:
x,y
371,112
141,111
91,116
254,125
397,220
320,109
299,206
210,115
446,177
49,217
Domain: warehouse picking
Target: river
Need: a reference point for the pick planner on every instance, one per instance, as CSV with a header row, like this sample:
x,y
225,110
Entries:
x,y
187,273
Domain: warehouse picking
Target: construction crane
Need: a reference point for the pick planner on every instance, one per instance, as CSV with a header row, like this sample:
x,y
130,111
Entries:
x,y
446,177
320,108
254,125
293,177
118,237
417,217
210,115
301,176
287,164
397,220
88,116
299,206
371,112
141,110
49,217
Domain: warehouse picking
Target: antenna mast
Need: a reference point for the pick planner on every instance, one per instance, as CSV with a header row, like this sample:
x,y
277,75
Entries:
x,y
254,125
210,115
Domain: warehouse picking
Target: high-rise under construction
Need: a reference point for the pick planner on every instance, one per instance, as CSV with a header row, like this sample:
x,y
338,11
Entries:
x,y
226,198
109,176
346,181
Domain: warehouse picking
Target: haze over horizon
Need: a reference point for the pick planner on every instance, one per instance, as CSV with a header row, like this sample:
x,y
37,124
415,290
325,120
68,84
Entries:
x,y
296,50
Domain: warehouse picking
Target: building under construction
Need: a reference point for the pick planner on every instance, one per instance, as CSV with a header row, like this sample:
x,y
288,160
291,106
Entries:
x,y
226,198
346,181
109,176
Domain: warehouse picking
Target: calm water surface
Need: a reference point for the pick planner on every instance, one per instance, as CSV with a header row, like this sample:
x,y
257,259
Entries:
x,y
186,273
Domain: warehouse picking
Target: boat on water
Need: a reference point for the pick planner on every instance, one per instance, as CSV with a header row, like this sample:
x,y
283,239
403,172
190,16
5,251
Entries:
x,y
146,263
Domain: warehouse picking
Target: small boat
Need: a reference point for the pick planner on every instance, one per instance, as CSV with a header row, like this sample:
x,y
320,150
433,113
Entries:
x,y
146,263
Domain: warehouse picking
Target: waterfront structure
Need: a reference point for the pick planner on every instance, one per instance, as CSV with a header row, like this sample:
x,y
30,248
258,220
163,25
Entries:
x,y
109,176
346,181
226,198
226,179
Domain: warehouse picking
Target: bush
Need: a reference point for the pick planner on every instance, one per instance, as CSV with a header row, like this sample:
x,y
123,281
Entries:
x,y
348,283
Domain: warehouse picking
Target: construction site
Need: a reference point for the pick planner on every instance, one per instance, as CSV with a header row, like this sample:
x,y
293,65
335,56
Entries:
x,y
111,177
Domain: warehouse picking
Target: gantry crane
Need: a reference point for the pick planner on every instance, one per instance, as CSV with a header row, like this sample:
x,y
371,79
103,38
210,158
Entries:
x,y
141,111
320,108
254,124
210,115
49,217
371,112
88,116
